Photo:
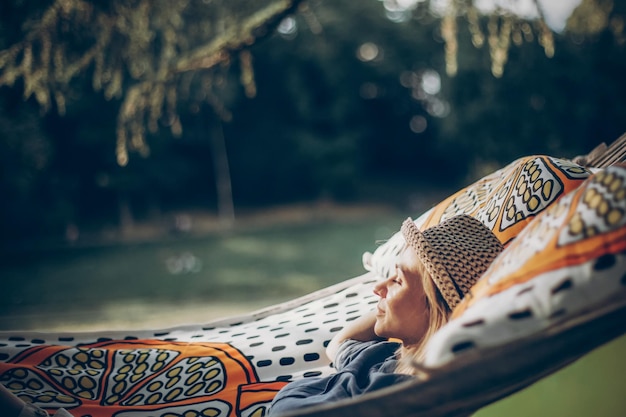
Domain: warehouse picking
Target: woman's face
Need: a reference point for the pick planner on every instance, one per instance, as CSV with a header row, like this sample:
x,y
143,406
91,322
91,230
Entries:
x,y
402,309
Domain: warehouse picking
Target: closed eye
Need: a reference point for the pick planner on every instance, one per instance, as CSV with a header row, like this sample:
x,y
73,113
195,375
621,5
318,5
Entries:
x,y
399,275
395,278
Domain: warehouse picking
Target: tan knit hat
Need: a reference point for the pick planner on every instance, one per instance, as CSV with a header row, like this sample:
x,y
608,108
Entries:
x,y
455,252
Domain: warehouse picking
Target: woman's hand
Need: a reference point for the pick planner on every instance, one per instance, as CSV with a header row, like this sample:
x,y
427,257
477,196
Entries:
x,y
361,329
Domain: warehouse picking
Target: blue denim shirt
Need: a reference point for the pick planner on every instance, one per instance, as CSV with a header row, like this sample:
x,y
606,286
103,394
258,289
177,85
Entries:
x,y
361,367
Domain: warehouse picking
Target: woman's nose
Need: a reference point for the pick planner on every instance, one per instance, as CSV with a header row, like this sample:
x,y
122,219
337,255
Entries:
x,y
379,289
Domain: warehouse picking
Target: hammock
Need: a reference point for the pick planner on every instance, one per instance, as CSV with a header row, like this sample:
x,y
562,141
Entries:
x,y
558,290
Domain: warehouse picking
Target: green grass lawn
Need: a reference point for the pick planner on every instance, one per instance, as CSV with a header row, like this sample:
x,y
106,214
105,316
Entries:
x,y
593,386
192,280
243,269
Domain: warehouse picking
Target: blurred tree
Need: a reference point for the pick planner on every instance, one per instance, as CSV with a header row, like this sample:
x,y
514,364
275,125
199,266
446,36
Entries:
x,y
343,95
149,54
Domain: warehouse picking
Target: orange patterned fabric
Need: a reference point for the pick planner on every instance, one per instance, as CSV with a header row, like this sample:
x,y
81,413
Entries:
x,y
129,377
589,224
505,201
568,261
508,199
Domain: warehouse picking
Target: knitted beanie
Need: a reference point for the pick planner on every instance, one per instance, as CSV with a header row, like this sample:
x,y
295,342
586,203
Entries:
x,y
455,252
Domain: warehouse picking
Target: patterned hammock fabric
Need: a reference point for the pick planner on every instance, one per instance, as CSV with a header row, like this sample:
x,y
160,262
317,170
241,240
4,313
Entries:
x,y
569,260
505,201
234,366
230,367
111,377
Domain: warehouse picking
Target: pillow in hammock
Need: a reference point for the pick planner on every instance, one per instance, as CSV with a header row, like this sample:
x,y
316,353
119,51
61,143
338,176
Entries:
x,y
505,201
569,259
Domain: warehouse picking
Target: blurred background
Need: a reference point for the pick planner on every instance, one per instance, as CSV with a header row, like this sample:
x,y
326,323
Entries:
x,y
168,163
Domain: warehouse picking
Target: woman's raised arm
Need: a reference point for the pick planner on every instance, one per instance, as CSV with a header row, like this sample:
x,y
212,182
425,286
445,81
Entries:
x,y
361,329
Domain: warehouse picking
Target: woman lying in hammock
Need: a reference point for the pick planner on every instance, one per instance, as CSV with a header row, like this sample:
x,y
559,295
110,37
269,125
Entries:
x,y
434,271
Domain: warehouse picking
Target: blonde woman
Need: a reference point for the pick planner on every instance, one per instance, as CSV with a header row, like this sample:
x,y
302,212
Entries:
x,y
433,273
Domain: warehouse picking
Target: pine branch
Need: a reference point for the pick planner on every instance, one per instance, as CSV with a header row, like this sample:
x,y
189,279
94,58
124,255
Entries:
x,y
236,38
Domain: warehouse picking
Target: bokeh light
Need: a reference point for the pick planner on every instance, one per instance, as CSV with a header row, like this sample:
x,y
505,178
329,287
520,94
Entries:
x,y
418,124
288,28
368,51
431,82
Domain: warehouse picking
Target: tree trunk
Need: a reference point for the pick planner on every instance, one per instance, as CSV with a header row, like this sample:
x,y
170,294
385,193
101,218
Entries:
x,y
225,205
125,214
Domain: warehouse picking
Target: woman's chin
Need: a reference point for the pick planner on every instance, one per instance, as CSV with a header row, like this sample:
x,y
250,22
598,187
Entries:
x,y
379,329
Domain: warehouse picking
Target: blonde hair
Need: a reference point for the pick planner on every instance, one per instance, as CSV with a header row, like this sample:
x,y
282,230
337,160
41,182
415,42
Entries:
x,y
438,315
